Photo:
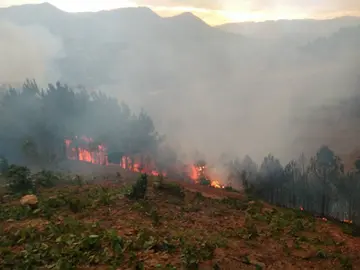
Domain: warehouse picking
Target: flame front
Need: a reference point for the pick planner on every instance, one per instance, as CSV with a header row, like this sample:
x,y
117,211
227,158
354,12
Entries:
x,y
196,172
97,154
83,153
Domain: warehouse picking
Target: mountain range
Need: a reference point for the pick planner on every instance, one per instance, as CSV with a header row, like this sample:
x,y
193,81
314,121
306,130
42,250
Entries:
x,y
259,82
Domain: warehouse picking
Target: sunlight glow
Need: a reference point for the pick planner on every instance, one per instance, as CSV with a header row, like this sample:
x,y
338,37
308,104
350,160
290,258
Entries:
x,y
90,5
231,11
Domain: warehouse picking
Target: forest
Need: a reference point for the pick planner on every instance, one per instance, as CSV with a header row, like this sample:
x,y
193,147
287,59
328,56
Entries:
x,y
318,185
34,124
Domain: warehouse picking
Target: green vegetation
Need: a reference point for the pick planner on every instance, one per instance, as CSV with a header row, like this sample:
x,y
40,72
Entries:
x,y
34,124
138,190
153,223
204,181
319,185
19,179
137,226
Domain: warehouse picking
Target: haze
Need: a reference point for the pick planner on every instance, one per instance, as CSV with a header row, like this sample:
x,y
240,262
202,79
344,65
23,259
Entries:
x,y
236,89
216,12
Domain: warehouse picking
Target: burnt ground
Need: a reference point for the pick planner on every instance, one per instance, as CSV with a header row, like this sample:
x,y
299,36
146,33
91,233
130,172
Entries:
x,y
184,226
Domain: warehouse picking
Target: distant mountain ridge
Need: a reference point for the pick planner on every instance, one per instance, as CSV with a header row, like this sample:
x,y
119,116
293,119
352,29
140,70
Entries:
x,y
303,28
182,70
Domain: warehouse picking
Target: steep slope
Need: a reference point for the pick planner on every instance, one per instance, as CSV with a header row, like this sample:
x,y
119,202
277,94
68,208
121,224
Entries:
x,y
96,226
234,88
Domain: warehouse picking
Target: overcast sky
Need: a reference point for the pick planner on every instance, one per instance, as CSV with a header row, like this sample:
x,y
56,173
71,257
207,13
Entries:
x,y
218,11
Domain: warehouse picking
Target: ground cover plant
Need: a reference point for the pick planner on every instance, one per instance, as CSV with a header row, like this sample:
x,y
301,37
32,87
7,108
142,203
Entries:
x,y
154,223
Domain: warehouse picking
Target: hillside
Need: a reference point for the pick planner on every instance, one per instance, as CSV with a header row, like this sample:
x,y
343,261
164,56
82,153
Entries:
x,y
342,42
95,226
242,88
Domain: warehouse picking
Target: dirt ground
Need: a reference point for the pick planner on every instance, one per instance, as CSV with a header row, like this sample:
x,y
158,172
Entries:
x,y
177,226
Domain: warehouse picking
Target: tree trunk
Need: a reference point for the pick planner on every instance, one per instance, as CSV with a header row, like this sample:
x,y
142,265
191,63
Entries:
x,y
323,195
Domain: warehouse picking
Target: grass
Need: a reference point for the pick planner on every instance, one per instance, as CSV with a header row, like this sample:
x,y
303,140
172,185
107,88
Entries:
x,y
102,226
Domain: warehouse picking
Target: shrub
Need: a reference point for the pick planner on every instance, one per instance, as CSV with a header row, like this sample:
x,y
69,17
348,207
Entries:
x,y
138,190
230,189
4,165
193,255
46,179
173,189
204,181
75,205
19,179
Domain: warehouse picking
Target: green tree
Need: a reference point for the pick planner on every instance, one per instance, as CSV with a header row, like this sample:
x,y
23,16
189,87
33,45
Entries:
x,y
326,167
272,175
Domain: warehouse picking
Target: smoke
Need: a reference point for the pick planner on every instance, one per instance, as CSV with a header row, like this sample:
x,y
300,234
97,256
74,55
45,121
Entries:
x,y
239,98
210,92
27,52
346,4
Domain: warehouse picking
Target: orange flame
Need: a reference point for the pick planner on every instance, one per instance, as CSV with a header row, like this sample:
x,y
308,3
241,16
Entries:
x,y
194,173
99,156
82,153
128,164
197,171
216,184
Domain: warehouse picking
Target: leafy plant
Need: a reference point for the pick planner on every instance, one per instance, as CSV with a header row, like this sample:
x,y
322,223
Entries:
x,y
173,189
204,181
19,180
4,165
155,217
75,205
192,255
45,179
139,189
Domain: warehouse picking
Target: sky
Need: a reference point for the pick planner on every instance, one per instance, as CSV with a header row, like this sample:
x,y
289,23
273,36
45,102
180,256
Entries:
x,y
218,11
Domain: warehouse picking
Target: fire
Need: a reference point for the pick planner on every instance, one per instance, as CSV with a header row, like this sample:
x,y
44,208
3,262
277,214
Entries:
x,y
86,150
216,184
137,166
196,172
98,155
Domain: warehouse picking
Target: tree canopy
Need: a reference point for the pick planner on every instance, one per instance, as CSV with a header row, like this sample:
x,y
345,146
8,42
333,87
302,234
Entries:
x,y
320,186
35,122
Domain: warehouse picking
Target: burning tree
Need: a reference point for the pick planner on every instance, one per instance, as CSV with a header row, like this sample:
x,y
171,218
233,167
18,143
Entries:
x,y
44,126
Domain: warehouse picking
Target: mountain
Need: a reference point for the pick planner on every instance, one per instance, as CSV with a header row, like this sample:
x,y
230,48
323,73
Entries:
x,y
301,30
94,41
343,41
201,84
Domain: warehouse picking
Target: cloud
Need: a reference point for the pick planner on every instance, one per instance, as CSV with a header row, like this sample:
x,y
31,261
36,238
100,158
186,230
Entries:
x,y
206,4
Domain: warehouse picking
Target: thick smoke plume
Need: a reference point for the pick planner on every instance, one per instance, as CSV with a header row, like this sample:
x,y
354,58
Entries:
x,y
27,52
253,100
213,94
